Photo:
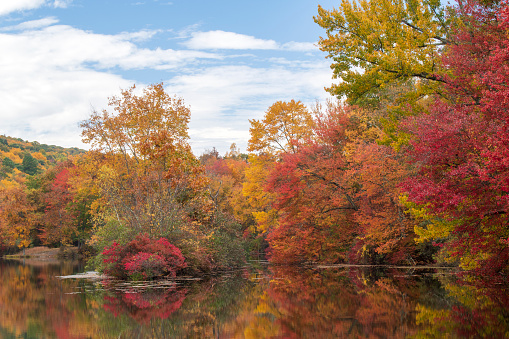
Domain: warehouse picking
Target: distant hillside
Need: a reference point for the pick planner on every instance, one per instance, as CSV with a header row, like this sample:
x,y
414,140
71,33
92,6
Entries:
x,y
19,158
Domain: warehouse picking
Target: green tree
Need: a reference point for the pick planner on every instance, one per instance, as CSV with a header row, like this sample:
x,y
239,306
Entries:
x,y
29,164
8,165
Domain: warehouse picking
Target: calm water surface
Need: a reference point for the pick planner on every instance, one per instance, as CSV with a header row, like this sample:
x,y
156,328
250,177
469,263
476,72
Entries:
x,y
263,302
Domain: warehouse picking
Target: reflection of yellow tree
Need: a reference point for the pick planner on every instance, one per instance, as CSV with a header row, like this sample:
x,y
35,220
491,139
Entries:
x,y
18,298
479,310
31,297
261,325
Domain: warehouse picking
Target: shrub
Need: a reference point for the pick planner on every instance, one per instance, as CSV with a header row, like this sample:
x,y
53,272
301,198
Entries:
x,y
142,258
145,266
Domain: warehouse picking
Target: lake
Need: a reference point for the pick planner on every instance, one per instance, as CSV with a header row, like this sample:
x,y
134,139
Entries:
x,y
257,302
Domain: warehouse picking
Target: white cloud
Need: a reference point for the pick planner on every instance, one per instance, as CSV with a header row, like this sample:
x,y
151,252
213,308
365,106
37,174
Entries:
x,y
227,40
33,24
61,3
52,76
48,104
142,35
69,48
230,95
235,41
300,46
9,6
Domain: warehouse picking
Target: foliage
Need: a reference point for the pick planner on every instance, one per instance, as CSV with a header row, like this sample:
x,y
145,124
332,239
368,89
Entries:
x,y
282,126
29,165
378,43
337,195
40,157
226,243
461,145
18,219
146,173
142,258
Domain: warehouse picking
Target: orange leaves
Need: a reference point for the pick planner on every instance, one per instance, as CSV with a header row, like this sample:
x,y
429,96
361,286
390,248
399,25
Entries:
x,y
283,126
136,121
145,173
17,217
338,191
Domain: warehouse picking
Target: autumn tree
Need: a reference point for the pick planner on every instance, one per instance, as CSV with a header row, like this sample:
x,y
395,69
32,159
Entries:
x,y
18,219
374,44
66,217
386,56
147,180
283,127
312,196
461,146
337,196
147,172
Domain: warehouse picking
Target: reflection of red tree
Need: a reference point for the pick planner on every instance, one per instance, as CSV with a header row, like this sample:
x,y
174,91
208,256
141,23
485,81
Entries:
x,y
145,305
327,304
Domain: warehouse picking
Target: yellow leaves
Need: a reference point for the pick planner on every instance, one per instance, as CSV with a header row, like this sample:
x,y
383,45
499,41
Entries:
x,y
259,200
17,217
138,120
8,184
373,43
265,220
39,156
283,125
429,227
141,166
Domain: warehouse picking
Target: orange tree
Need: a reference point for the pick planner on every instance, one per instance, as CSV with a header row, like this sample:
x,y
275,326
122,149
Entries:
x,y
145,176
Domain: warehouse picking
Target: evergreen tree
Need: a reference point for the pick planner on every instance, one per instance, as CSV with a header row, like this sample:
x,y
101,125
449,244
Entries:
x,y
29,164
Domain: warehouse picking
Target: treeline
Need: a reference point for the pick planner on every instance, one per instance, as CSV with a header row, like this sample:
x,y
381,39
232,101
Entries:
x,y
408,166
20,159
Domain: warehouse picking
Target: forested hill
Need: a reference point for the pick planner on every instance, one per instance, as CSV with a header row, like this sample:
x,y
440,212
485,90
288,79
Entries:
x,y
19,158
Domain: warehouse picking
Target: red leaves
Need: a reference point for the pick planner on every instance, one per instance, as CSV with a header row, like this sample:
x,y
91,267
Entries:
x,y
461,147
336,191
143,258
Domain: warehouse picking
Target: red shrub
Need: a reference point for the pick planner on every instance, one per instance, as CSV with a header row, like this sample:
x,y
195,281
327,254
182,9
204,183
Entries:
x,y
143,258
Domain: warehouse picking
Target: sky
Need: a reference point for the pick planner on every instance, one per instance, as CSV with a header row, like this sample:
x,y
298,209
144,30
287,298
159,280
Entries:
x,y
228,59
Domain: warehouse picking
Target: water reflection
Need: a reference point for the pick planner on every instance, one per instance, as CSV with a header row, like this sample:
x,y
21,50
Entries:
x,y
276,302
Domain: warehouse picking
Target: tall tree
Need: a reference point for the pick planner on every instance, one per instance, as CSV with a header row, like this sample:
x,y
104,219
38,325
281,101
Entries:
x,y
283,128
29,164
147,173
461,147
374,44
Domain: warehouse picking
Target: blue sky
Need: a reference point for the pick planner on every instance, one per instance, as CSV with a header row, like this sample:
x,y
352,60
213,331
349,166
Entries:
x,y
228,60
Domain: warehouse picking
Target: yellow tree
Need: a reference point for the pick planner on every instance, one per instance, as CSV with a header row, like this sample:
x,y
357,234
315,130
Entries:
x,y
283,126
148,175
18,219
387,55
376,43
